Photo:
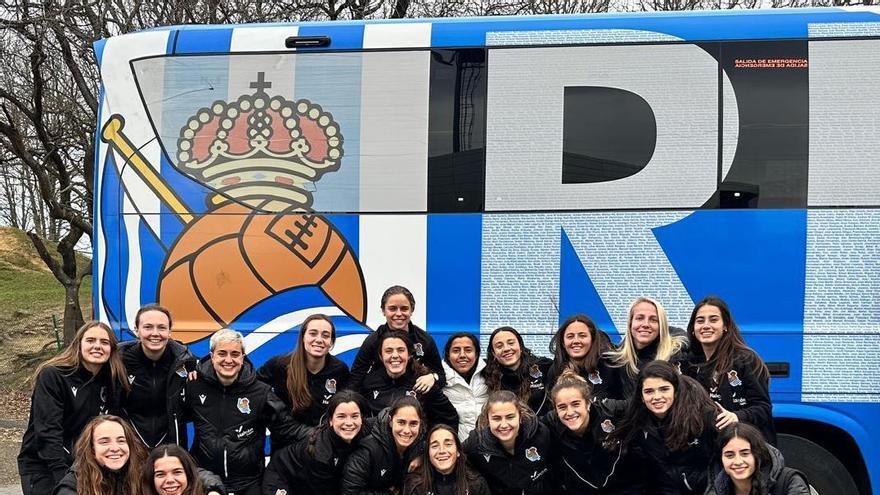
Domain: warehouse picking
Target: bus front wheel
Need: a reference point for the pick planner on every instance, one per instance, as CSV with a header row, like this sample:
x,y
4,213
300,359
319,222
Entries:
x,y
827,475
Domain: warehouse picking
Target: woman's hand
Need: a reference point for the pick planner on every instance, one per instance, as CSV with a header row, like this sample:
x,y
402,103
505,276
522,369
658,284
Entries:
x,y
424,383
414,465
725,417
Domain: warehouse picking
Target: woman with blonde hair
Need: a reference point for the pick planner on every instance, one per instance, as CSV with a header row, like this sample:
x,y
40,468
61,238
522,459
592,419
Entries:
x,y
109,459
647,338
86,379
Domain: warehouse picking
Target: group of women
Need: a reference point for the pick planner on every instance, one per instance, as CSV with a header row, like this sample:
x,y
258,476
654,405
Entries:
x,y
665,412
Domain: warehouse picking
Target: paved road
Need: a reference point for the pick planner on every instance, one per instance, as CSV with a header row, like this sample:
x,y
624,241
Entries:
x,y
10,490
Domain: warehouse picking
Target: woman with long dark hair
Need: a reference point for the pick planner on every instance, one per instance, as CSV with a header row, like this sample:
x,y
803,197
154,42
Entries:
x,y
670,427
465,385
511,448
397,376
734,375
510,365
381,460
747,465
443,470
170,470
578,346
647,338
86,379
588,462
109,459
307,378
313,466
397,306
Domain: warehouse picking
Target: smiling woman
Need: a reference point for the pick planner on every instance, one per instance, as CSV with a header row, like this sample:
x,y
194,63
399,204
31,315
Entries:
x,y
109,460
83,381
511,448
669,426
307,378
397,377
444,470
381,460
588,462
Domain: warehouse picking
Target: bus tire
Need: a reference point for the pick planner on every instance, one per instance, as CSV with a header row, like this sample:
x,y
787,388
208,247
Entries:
x,y
827,475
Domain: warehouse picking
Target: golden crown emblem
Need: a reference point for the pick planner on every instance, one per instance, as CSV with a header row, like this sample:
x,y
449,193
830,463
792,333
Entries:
x,y
260,150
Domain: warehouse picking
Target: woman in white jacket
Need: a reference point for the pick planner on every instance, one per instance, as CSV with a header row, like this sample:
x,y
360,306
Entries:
x,y
465,387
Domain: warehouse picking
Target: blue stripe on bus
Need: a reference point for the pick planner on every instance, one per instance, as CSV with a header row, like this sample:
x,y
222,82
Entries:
x,y
203,41
116,257
755,260
454,254
577,294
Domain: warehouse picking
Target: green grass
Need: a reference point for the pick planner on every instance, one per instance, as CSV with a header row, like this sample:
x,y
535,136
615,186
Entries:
x,y
25,283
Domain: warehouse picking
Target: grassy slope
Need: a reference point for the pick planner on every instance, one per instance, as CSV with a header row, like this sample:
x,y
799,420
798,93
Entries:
x,y
29,297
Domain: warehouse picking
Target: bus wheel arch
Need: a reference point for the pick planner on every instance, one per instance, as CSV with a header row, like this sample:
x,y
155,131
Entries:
x,y
829,456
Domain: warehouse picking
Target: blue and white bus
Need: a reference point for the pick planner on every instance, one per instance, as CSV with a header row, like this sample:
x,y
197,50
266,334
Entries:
x,y
513,171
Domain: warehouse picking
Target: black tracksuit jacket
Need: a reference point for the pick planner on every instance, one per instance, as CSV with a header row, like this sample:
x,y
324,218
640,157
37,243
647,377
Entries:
x,y
210,481
323,385
63,401
444,484
381,391
294,470
588,464
539,395
738,389
152,406
375,467
367,358
230,424
527,472
676,472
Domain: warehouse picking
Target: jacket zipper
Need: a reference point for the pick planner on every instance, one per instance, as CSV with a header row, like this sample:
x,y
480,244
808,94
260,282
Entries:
x,y
685,479
225,469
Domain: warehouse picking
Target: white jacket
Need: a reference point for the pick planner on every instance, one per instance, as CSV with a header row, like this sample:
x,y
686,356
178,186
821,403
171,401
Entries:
x,y
468,398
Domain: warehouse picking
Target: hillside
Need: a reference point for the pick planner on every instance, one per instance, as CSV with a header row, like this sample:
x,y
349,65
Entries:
x,y
29,297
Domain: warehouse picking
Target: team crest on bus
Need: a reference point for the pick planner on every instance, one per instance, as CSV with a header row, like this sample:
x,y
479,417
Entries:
x,y
532,454
244,405
261,156
330,385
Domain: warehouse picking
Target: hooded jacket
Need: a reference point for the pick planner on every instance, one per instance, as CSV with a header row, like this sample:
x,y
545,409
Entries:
x,y
780,479
210,481
537,375
444,484
67,486
63,401
676,472
230,424
466,397
294,470
381,391
152,406
526,472
622,385
375,466
587,465
367,359
738,390
323,385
